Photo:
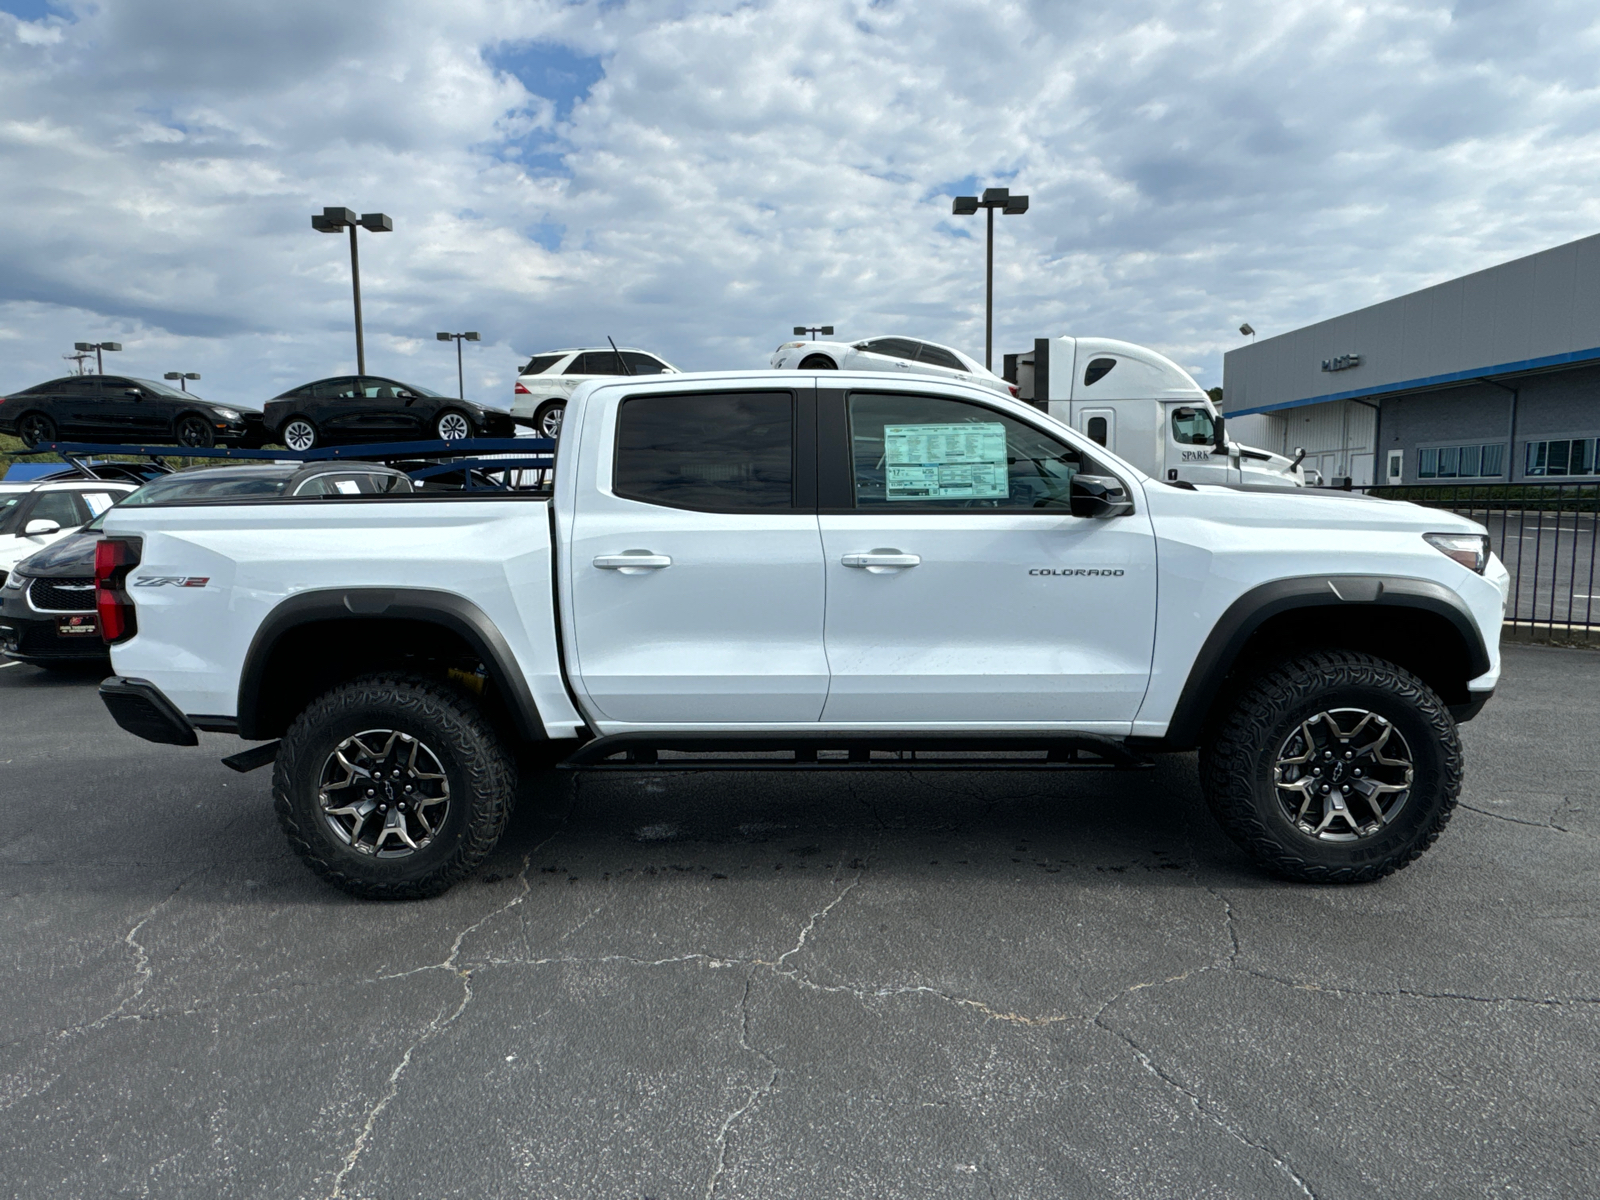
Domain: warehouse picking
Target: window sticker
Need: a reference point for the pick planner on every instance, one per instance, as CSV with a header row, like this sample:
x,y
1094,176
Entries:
x,y
945,462
347,487
98,502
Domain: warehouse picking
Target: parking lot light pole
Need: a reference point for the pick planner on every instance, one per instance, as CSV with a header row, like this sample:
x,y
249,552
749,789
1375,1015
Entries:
x,y
813,330
182,377
97,347
1011,206
332,220
458,338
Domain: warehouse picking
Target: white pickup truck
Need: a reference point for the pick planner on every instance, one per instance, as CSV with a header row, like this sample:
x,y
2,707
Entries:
x,y
847,572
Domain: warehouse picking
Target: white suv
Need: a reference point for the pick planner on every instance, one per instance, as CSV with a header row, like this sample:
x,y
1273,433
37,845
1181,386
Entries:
x,y
34,515
546,382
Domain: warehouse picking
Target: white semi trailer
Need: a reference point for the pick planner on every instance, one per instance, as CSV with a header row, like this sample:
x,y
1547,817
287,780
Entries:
x,y
1144,407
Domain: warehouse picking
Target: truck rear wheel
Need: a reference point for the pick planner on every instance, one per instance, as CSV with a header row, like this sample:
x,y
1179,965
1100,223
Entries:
x,y
1334,767
393,787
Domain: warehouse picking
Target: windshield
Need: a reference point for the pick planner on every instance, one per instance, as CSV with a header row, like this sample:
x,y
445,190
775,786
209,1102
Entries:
x,y
1192,427
184,486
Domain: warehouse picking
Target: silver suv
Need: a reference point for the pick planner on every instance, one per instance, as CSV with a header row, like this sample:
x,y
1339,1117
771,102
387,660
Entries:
x,y
547,381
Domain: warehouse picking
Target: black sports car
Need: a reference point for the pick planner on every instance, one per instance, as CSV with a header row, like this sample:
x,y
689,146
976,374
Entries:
x,y
365,408
116,408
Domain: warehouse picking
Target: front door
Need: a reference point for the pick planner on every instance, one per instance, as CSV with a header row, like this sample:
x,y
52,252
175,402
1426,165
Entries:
x,y
695,565
961,590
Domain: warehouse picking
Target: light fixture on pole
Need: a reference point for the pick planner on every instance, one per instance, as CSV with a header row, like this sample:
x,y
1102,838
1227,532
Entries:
x,y
813,330
182,377
458,338
1012,206
1248,331
97,347
332,220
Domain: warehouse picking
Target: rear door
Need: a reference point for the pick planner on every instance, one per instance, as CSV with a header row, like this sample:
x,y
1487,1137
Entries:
x,y
695,566
961,589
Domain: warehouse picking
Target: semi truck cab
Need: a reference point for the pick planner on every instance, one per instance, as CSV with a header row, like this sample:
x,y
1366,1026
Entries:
x,y
1144,407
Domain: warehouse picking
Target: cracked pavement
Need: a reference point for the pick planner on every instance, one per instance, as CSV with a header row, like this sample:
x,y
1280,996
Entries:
x,y
769,985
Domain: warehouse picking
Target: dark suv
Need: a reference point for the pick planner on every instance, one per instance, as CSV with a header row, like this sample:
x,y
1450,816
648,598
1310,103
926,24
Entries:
x,y
367,408
117,408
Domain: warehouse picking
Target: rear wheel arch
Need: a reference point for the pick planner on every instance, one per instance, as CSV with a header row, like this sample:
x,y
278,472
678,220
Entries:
x,y
317,640
1416,624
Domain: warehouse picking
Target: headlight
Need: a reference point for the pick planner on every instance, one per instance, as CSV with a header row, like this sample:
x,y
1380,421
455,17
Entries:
x,y
1471,550
789,346
227,414
15,582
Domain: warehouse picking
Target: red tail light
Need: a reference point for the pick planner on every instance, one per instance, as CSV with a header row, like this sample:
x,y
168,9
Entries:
x,y
113,559
522,391
1015,390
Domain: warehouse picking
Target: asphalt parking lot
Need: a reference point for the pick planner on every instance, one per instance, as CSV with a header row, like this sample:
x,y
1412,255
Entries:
x,y
990,985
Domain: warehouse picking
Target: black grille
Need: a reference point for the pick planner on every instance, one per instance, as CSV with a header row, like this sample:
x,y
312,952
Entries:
x,y
62,595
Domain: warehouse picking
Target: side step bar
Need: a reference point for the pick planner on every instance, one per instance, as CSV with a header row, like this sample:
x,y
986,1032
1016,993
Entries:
x,y
853,751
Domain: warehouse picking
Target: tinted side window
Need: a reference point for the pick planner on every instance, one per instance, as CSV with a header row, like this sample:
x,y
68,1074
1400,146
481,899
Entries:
x,y
932,452
643,364
720,452
938,356
1097,370
60,507
596,362
893,347
336,389
540,363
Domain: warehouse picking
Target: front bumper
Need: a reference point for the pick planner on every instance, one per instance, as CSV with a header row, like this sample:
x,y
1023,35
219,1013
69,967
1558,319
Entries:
x,y
38,638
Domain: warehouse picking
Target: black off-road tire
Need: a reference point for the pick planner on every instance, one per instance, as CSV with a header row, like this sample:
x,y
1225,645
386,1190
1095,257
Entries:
x,y
1237,763
480,769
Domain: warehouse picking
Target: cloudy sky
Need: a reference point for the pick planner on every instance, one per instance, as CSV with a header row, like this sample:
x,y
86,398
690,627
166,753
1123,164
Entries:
x,y
697,176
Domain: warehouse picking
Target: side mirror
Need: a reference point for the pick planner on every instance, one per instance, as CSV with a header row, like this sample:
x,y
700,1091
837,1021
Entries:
x,y
1099,496
1219,435
41,527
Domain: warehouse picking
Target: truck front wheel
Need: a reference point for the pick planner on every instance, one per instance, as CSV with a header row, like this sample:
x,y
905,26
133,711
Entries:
x,y
393,787
1334,767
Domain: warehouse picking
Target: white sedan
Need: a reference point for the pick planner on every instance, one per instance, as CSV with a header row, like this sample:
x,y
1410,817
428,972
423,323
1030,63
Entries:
x,y
547,381
897,355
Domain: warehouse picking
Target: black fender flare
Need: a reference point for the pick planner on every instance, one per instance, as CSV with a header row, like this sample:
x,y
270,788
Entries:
x,y
455,613
1258,605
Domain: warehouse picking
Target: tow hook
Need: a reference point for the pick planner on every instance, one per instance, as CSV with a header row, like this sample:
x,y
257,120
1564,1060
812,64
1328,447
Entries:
x,y
249,760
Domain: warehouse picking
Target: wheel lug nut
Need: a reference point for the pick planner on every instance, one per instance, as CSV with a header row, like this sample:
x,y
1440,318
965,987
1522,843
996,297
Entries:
x,y
372,791
1349,754
383,808
408,786
1316,770
1356,772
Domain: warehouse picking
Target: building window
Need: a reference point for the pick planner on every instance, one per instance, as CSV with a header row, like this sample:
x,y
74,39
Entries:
x,y
1397,460
1569,456
1462,462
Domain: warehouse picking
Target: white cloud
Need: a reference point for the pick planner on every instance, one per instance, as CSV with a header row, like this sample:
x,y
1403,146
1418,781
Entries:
x,y
698,177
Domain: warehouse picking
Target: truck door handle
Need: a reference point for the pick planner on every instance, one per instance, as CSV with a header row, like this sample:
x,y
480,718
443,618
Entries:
x,y
630,562
881,559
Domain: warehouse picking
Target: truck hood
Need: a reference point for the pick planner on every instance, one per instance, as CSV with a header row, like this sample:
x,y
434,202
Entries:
x,y
1287,505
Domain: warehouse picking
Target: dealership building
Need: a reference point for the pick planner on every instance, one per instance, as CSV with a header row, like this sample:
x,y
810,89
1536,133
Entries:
x,y
1492,376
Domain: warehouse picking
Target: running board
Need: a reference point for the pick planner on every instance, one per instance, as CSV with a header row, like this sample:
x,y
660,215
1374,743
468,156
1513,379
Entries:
x,y
876,749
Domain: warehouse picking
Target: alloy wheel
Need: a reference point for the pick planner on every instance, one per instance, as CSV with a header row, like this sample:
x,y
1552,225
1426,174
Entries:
x,y
453,427
194,432
550,423
299,435
36,430
1343,775
384,793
